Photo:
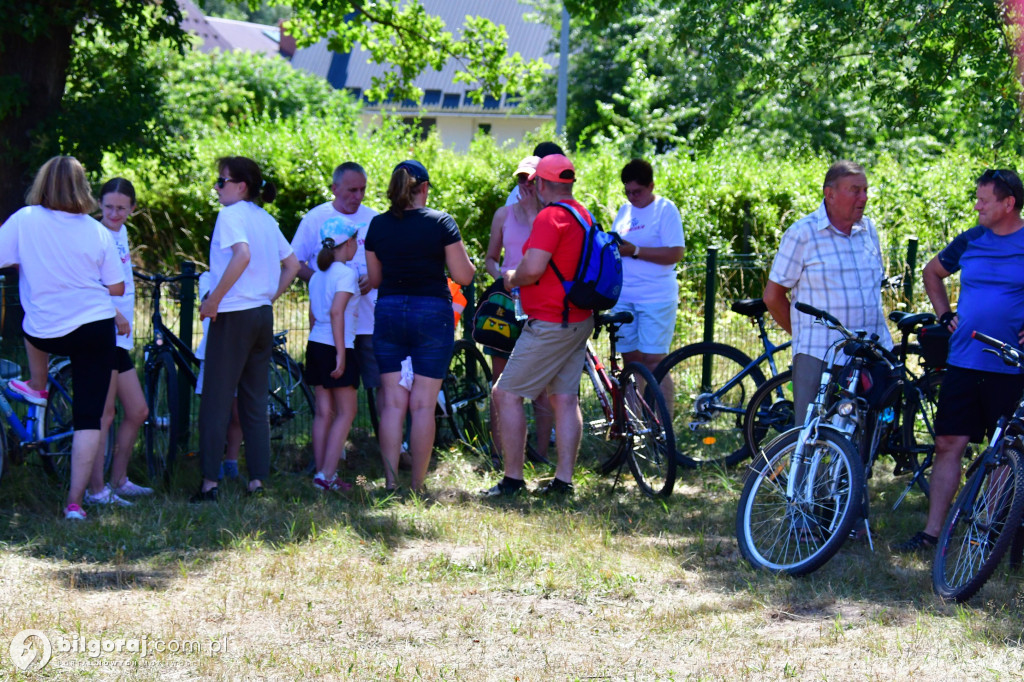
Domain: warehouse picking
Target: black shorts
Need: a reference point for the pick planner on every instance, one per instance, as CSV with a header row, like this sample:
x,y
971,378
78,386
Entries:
x,y
123,361
972,401
91,351
320,364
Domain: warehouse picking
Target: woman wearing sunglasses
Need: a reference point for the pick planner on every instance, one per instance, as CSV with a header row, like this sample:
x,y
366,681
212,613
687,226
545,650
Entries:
x,y
251,264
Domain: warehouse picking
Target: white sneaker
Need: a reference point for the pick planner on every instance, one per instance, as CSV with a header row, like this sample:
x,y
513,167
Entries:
x,y
106,496
129,489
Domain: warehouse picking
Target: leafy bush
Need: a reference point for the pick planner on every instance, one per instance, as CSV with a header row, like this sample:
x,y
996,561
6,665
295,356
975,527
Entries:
x,y
737,201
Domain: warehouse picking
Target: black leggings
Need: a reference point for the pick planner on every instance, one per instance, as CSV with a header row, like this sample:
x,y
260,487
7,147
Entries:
x,y
91,350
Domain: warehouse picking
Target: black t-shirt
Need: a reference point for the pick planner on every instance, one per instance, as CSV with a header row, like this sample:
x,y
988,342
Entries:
x,y
411,251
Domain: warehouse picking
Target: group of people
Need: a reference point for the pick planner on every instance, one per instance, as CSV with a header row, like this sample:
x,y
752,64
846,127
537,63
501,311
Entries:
x,y
831,259
381,311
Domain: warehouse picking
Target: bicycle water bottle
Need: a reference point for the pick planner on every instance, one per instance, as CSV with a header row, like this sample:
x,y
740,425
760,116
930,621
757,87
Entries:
x,y
520,315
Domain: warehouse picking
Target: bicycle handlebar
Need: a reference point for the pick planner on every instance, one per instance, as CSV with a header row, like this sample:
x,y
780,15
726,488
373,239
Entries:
x,y
1008,353
881,351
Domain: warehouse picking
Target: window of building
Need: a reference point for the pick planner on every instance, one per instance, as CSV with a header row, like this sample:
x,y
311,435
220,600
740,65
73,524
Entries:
x,y
423,124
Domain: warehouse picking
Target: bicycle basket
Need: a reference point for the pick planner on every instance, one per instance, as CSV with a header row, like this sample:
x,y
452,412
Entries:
x,y
934,342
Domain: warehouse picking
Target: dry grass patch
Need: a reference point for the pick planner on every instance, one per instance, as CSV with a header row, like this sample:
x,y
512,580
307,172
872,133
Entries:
x,y
605,586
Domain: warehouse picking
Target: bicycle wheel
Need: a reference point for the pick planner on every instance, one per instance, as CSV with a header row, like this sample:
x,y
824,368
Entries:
x,y
979,528
466,394
798,535
56,420
769,413
652,445
162,426
290,409
707,421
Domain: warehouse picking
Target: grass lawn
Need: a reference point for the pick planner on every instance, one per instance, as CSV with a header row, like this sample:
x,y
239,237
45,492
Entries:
x,y
608,585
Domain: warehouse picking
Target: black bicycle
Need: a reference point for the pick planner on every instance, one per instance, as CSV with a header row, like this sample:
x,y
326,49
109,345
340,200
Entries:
x,y
171,366
909,442
807,488
985,518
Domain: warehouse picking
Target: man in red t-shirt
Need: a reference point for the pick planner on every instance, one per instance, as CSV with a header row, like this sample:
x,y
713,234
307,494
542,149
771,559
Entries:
x,y
550,353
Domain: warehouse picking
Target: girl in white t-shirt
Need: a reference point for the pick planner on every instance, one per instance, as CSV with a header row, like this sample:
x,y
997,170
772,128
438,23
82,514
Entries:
x,y
117,201
331,366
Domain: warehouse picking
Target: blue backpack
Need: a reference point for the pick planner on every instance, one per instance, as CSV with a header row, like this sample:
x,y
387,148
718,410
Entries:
x,y
598,279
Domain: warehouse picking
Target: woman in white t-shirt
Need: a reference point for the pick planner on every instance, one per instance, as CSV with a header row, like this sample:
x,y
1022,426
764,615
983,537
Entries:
x,y
69,269
654,229
331,365
117,202
251,264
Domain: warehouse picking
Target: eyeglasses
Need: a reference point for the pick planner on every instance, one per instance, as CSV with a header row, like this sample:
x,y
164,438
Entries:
x,y
220,182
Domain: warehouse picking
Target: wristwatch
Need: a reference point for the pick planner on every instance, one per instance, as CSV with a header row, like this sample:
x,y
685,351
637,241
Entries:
x,y
636,252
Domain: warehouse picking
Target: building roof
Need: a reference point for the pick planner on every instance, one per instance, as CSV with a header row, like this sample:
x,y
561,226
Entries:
x,y
354,72
228,34
245,35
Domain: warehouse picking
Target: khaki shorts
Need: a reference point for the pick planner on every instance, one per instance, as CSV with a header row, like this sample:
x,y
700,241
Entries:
x,y
547,356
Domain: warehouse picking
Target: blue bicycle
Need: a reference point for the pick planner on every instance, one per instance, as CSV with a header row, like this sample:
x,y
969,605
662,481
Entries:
x,y
44,430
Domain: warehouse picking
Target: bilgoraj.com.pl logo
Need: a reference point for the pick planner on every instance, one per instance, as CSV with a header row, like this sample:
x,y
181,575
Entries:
x,y
31,650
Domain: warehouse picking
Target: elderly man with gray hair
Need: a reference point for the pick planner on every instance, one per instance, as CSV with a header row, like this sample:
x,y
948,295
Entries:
x,y
830,259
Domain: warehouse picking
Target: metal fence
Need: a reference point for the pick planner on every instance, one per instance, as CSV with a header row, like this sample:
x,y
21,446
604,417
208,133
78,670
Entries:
x,y
708,284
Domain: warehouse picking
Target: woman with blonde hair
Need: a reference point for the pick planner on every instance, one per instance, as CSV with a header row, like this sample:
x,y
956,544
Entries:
x,y
407,250
69,269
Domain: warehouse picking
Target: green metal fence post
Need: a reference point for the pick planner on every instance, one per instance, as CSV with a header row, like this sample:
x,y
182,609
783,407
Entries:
x,y
710,284
911,271
187,301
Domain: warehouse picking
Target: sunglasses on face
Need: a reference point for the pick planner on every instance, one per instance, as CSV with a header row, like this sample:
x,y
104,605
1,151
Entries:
x,y
220,182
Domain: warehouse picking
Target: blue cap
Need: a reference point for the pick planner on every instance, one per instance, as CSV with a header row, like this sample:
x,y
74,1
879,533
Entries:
x,y
336,231
416,169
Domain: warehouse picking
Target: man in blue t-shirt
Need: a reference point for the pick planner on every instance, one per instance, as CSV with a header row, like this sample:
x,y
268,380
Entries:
x,y
978,387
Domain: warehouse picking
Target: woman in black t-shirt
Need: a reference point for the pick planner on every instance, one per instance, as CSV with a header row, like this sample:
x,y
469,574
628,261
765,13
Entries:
x,y
407,250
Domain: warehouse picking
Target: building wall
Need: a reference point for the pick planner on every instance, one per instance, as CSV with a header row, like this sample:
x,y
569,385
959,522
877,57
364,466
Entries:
x,y
458,130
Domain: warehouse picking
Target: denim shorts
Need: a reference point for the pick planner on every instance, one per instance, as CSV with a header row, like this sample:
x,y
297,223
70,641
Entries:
x,y
420,327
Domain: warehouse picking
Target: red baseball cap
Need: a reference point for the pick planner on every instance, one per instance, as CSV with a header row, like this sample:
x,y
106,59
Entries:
x,y
555,168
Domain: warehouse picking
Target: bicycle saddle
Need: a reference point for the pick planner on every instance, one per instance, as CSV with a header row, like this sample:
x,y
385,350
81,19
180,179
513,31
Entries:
x,y
604,319
751,307
909,321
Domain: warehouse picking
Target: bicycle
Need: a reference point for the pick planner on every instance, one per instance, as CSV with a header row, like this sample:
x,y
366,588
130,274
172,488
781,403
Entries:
x,y
45,430
807,488
985,518
626,420
711,384
168,361
770,411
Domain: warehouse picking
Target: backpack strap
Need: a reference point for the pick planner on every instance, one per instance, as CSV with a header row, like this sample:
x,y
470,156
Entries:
x,y
585,226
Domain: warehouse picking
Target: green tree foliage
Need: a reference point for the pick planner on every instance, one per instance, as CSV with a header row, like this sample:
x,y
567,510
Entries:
x,y
240,10
36,40
404,34
842,77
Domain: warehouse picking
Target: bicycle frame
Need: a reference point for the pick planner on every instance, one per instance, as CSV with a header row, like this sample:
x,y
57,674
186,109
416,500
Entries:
x,y
29,432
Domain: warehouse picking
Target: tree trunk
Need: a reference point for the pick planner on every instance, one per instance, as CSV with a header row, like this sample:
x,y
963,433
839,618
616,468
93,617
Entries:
x,y
32,77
